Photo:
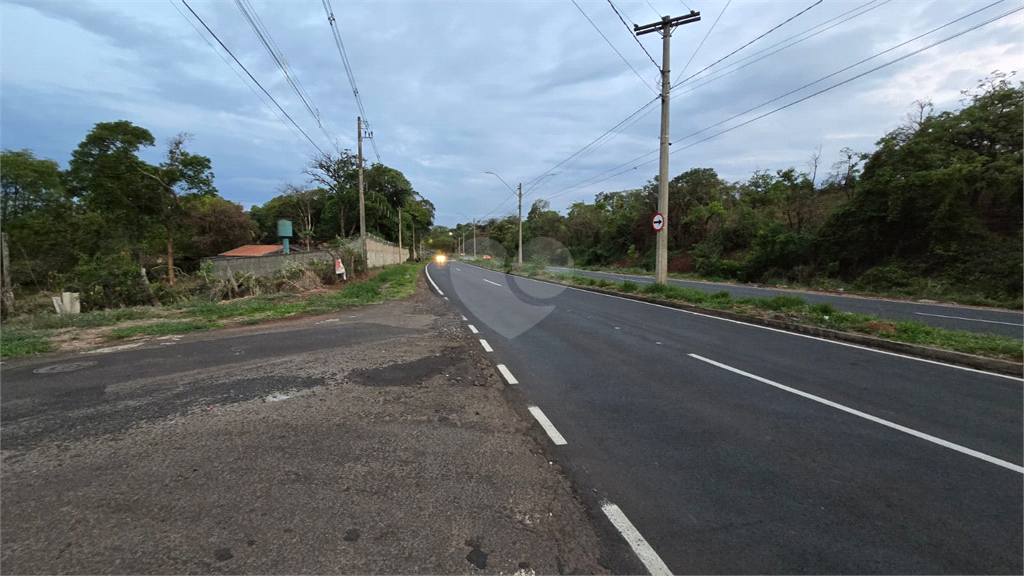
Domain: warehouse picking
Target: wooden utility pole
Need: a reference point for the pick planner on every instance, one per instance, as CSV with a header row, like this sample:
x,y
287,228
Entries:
x,y
665,27
362,204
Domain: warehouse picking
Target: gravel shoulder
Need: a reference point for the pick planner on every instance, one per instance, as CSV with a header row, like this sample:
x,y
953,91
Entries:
x,y
395,454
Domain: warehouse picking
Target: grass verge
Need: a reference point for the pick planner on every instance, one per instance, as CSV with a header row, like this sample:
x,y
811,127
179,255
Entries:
x,y
32,334
796,310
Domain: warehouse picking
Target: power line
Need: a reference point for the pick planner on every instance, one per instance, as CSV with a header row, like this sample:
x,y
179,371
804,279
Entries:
x,y
613,46
865,73
840,71
591,181
278,56
619,14
704,40
533,183
633,118
783,23
233,69
725,71
653,9
250,75
348,68
684,5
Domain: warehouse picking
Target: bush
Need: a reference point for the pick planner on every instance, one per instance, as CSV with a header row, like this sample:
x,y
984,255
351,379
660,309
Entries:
x,y
883,278
629,286
107,281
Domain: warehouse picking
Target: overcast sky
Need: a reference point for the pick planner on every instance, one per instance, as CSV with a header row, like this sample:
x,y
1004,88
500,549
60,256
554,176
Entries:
x,y
456,89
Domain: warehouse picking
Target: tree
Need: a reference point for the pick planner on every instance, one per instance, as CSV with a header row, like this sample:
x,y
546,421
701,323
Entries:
x,y
28,184
216,225
181,173
104,174
338,174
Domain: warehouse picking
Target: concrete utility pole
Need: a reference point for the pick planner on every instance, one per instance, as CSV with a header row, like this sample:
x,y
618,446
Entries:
x,y
399,229
362,205
665,26
520,224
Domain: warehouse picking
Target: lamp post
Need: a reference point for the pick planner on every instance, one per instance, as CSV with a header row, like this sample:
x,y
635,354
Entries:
x,y
520,194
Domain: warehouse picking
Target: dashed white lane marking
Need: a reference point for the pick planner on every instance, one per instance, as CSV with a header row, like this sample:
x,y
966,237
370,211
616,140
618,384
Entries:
x,y
507,374
488,281
473,329
970,319
616,327
636,541
547,426
487,347
459,269
427,270
464,318
893,425
445,297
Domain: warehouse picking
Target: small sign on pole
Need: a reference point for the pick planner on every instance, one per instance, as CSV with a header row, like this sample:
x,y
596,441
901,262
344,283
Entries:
x,y
658,222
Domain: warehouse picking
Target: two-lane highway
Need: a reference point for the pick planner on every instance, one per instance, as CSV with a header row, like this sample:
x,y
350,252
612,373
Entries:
x,y
965,318
735,448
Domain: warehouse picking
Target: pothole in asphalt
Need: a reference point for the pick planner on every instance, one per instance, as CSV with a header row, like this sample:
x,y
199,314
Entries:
x,y
62,368
406,374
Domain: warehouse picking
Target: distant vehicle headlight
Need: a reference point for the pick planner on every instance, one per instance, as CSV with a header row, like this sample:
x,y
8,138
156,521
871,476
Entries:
x,y
440,258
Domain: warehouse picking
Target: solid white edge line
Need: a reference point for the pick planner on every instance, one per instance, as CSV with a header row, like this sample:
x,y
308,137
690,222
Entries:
x,y
427,270
893,425
808,336
487,347
507,374
473,329
488,281
636,541
548,427
968,319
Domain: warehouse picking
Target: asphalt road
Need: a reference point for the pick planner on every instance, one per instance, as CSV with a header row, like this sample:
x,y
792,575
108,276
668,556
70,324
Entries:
x,y
376,440
735,448
966,318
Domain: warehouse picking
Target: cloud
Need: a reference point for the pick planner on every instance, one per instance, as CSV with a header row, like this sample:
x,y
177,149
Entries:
x,y
456,89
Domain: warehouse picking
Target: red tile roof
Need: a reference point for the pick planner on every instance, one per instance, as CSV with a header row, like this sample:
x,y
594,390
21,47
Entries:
x,y
254,250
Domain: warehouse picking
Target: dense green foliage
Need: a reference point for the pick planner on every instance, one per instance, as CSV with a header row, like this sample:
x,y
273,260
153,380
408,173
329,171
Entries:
x,y
93,227
935,211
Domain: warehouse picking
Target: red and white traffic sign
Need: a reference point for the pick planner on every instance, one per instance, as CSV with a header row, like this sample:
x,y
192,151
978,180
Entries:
x,y
658,222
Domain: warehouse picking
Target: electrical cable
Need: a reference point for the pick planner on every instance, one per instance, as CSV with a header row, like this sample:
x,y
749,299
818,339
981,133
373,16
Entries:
x,y
348,68
591,181
633,34
613,47
250,75
233,69
783,23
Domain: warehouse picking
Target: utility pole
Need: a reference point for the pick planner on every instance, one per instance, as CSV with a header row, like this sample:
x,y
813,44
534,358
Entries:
x,y
474,238
665,27
400,230
520,224
362,205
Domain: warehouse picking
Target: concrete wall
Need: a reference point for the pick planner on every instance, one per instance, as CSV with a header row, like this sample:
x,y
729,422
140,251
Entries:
x,y
379,252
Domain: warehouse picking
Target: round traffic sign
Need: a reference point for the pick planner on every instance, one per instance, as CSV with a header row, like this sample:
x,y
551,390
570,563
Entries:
x,y
658,222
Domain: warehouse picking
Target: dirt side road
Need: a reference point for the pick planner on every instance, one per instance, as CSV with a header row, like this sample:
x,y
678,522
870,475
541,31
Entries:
x,y
395,452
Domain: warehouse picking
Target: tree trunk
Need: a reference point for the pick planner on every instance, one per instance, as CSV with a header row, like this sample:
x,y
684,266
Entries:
x,y
170,258
7,299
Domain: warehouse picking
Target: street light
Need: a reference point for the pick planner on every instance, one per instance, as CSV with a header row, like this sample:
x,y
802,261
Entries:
x,y
474,232
520,194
